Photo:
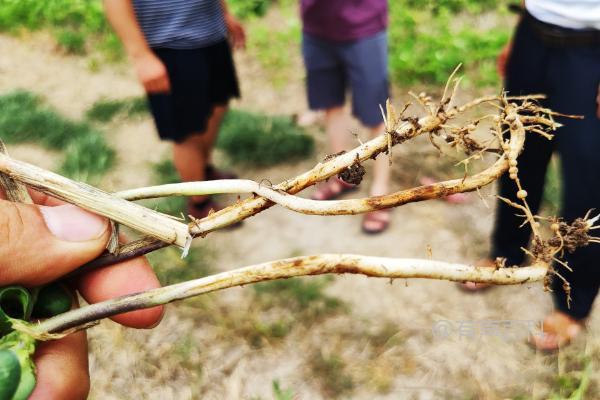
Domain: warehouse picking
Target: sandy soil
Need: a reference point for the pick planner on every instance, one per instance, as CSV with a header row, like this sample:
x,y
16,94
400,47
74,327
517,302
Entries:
x,y
188,356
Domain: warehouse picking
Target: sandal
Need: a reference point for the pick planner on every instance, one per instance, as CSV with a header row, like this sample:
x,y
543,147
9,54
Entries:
x,y
558,330
214,174
375,222
332,189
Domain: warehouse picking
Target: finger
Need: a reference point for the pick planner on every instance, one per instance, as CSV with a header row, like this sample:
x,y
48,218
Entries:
x,y
128,277
62,369
39,244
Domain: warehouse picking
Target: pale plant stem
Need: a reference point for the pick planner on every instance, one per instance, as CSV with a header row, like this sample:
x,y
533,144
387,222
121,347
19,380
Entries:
x,y
90,198
391,268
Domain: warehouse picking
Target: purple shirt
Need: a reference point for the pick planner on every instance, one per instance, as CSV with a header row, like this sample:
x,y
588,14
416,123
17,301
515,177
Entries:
x,y
343,20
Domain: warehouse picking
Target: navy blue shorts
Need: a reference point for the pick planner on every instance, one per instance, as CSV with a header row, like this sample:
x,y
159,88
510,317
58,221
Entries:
x,y
334,67
200,80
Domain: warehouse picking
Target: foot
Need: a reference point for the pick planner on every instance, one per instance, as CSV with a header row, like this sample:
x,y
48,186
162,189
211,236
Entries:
x,y
332,189
473,287
559,330
213,174
375,222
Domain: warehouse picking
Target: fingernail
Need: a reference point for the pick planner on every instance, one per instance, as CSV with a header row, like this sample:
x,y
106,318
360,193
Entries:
x,y
73,224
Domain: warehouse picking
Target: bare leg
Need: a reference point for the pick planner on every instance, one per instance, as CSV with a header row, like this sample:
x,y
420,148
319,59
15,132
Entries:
x,y
190,160
212,131
382,170
336,125
378,221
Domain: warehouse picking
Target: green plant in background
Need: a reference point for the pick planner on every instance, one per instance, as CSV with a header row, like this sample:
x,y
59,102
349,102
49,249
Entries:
x,y
259,140
553,187
106,110
249,8
165,172
76,21
281,394
25,119
426,41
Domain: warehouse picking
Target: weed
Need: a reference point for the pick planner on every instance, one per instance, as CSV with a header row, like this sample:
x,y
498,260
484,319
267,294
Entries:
x,y
171,268
553,187
165,172
73,42
281,394
106,110
23,118
330,370
259,140
300,294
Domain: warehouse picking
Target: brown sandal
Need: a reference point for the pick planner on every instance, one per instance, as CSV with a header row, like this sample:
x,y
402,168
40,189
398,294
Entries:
x,y
375,222
332,189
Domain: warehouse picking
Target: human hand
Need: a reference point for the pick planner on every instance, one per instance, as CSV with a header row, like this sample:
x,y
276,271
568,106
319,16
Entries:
x,y
152,73
502,59
39,244
236,31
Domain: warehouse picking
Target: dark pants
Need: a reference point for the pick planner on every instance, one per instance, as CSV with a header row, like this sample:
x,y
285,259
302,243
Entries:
x,y
569,76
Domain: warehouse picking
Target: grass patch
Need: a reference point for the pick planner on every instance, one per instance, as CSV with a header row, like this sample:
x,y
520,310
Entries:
x,y
280,393
171,268
303,295
77,24
106,110
25,119
426,43
165,172
330,370
259,140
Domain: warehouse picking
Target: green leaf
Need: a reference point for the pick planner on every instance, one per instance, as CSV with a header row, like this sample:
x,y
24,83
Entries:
x,y
15,303
10,374
52,300
22,347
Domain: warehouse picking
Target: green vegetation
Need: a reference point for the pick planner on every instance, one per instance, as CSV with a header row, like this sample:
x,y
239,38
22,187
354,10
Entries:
x,y
553,189
330,370
426,42
304,295
171,268
25,119
75,23
105,110
259,140
282,394
249,8
165,172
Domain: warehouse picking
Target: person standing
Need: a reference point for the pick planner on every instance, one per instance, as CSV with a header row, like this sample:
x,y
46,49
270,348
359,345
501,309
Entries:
x,y
344,45
182,57
556,51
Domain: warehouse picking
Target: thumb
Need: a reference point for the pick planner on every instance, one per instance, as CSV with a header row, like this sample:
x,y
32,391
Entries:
x,y
39,244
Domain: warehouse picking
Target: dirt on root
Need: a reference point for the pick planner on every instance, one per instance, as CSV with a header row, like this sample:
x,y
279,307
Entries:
x,y
413,339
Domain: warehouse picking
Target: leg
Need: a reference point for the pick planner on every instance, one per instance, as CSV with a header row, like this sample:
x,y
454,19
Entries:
x,y
212,131
577,77
336,126
366,65
190,161
378,221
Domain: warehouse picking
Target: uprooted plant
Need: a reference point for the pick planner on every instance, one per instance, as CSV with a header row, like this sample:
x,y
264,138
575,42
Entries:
x,y
22,311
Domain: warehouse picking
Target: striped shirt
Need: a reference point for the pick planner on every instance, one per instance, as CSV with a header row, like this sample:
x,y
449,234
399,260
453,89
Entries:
x,y
181,24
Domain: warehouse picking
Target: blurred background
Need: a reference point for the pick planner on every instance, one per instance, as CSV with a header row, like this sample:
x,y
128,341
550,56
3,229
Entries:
x,y
69,102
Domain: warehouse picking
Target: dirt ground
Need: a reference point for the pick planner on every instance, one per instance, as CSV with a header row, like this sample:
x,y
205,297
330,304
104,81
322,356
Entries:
x,y
190,356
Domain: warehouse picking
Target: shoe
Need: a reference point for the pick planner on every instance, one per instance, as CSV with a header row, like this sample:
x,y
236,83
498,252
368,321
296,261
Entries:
x,y
375,222
214,174
332,189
